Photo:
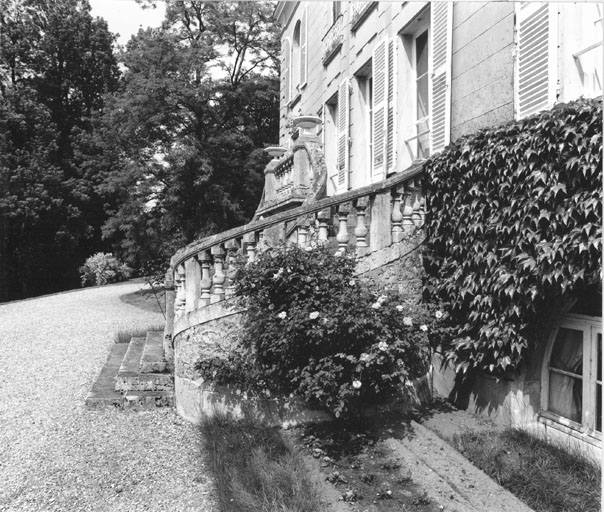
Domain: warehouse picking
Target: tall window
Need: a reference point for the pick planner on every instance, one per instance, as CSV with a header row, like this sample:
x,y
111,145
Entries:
x,y
572,382
336,9
295,62
422,95
559,54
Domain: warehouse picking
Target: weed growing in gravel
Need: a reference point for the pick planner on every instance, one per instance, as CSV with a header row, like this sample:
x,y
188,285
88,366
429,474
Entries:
x,y
548,478
255,469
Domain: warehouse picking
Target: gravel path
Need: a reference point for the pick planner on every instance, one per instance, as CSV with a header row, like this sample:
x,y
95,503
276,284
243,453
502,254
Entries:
x,y
55,455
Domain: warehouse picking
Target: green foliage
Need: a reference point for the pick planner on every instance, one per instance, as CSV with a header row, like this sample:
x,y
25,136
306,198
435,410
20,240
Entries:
x,y
56,62
515,220
101,268
184,133
317,331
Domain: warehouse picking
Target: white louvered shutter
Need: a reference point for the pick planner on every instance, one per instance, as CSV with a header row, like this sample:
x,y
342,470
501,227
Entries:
x,y
303,44
379,108
534,66
391,115
440,90
285,76
343,122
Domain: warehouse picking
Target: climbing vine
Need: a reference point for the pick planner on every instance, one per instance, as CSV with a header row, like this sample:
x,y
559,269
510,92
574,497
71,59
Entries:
x,y
515,220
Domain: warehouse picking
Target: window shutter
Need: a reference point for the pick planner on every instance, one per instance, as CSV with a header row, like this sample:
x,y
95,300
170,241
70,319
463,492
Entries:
x,y
303,43
440,90
533,58
390,121
343,113
285,55
379,108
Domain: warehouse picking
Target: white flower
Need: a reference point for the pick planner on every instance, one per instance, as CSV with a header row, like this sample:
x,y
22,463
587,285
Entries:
x,y
364,357
356,384
325,320
407,321
278,274
351,282
400,308
314,315
238,392
423,327
376,305
438,314
282,315
382,345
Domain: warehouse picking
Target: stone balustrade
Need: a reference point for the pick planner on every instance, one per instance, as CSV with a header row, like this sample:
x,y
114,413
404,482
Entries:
x,y
357,222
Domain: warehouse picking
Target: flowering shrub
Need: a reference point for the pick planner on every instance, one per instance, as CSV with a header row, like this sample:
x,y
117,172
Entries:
x,y
103,268
317,332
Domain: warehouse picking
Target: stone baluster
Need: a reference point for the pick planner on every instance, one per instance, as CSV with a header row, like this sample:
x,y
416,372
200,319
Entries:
x,y
249,239
192,280
205,261
181,297
422,210
323,223
232,247
170,298
219,278
408,225
360,230
303,234
416,215
343,236
396,217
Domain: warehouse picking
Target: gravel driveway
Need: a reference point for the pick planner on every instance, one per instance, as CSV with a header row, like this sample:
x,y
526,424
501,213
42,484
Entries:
x,y
57,455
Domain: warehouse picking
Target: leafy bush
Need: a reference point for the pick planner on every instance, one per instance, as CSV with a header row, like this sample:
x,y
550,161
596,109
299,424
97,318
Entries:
x,y
316,331
515,222
103,268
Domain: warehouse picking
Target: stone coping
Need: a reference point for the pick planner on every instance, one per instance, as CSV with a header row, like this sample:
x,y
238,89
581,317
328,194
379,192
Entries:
x,y
289,215
222,309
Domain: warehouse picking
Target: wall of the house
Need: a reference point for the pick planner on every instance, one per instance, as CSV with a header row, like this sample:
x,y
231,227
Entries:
x,y
482,71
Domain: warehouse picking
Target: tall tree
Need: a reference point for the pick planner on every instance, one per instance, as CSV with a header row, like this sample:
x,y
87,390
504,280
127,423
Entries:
x,y
197,102
56,62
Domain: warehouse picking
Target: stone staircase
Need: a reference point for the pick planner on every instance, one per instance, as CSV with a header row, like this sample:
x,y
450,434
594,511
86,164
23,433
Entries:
x,y
135,376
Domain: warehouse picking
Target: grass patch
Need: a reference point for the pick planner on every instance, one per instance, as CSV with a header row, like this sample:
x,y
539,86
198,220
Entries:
x,y
547,478
255,469
124,335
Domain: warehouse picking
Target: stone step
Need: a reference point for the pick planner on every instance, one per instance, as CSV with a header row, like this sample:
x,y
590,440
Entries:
x,y
130,377
127,382
132,359
103,391
117,386
152,359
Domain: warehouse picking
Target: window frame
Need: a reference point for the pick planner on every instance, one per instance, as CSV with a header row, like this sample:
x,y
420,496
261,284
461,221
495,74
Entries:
x,y
591,327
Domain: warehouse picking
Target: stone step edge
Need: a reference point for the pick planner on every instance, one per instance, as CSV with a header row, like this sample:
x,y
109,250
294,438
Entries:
x,y
133,400
132,359
104,385
145,382
152,359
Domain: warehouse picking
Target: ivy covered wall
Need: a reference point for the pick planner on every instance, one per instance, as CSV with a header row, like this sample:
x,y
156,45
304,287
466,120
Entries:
x,y
514,224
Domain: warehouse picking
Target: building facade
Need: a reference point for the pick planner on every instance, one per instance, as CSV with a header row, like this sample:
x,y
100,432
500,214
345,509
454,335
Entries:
x,y
394,82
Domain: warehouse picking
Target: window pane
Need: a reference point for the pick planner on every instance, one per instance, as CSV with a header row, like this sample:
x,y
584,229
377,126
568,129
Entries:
x,y
422,97
567,353
565,391
599,407
565,396
421,54
600,357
